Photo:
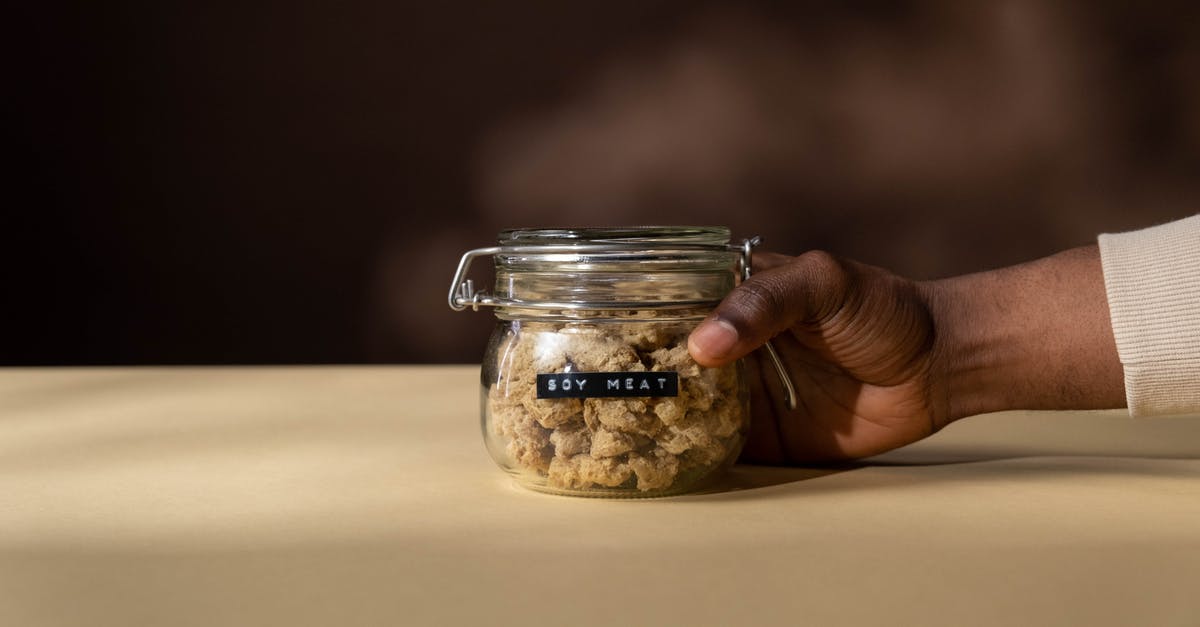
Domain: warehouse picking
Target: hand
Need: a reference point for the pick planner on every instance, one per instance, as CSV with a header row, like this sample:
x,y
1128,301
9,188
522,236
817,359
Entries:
x,y
858,342
879,361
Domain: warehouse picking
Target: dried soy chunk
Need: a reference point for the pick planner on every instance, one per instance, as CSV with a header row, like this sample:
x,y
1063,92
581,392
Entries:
x,y
675,358
585,471
655,471
606,443
591,352
529,453
673,440
706,386
695,437
618,414
571,441
724,420
673,409
529,444
705,457
648,337
551,413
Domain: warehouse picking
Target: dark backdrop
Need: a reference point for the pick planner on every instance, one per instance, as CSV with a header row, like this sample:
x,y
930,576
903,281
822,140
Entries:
x,y
288,182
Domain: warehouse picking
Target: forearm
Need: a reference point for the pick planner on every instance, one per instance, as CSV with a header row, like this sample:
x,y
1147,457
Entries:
x,y
1032,336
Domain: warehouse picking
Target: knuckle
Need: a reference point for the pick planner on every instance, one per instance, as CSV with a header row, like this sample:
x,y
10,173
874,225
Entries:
x,y
820,264
829,277
762,297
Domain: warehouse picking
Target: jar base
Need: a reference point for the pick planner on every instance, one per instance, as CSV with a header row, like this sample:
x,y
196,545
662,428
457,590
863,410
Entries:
x,y
538,484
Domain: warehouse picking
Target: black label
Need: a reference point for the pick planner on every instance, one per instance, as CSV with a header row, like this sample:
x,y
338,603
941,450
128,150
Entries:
x,y
607,384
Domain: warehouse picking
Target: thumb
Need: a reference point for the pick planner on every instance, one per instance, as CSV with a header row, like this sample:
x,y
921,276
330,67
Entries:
x,y
806,289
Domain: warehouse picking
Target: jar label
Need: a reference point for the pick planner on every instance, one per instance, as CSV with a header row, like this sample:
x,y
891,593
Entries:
x,y
607,384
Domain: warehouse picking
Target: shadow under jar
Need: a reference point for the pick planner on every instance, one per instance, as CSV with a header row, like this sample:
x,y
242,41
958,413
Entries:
x,y
587,385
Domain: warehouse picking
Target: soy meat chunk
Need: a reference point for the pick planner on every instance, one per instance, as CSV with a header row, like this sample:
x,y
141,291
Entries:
x,y
705,457
655,471
704,388
647,337
706,450
528,443
675,358
506,418
571,441
607,443
671,410
673,441
524,356
725,418
694,439
584,471
530,454
555,412
502,404
628,416
606,472
545,351
599,353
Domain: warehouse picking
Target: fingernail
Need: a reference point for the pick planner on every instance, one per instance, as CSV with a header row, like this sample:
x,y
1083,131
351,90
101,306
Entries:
x,y
713,338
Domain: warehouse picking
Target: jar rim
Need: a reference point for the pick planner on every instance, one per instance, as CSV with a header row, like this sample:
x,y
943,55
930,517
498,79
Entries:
x,y
655,235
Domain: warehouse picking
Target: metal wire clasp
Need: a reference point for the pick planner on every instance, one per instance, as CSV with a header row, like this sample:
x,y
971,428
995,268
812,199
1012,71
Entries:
x,y
789,389
462,289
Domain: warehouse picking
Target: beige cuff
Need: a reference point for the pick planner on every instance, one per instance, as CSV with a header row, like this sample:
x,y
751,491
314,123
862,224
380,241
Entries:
x,y
1152,278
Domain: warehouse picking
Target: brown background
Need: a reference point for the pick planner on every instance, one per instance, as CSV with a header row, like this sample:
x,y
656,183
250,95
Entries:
x,y
294,181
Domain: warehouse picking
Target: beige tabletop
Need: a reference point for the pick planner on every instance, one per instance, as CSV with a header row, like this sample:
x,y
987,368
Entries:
x,y
354,495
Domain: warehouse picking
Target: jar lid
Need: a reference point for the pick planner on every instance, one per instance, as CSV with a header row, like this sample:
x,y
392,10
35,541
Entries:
x,y
656,235
642,267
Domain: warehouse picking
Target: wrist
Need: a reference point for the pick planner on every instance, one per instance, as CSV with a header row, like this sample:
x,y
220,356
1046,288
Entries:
x,y
1033,336
973,357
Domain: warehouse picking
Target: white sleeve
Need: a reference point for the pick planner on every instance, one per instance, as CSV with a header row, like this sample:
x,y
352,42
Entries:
x,y
1152,278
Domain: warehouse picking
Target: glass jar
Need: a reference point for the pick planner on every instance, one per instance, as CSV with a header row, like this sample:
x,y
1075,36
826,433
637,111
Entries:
x,y
587,385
